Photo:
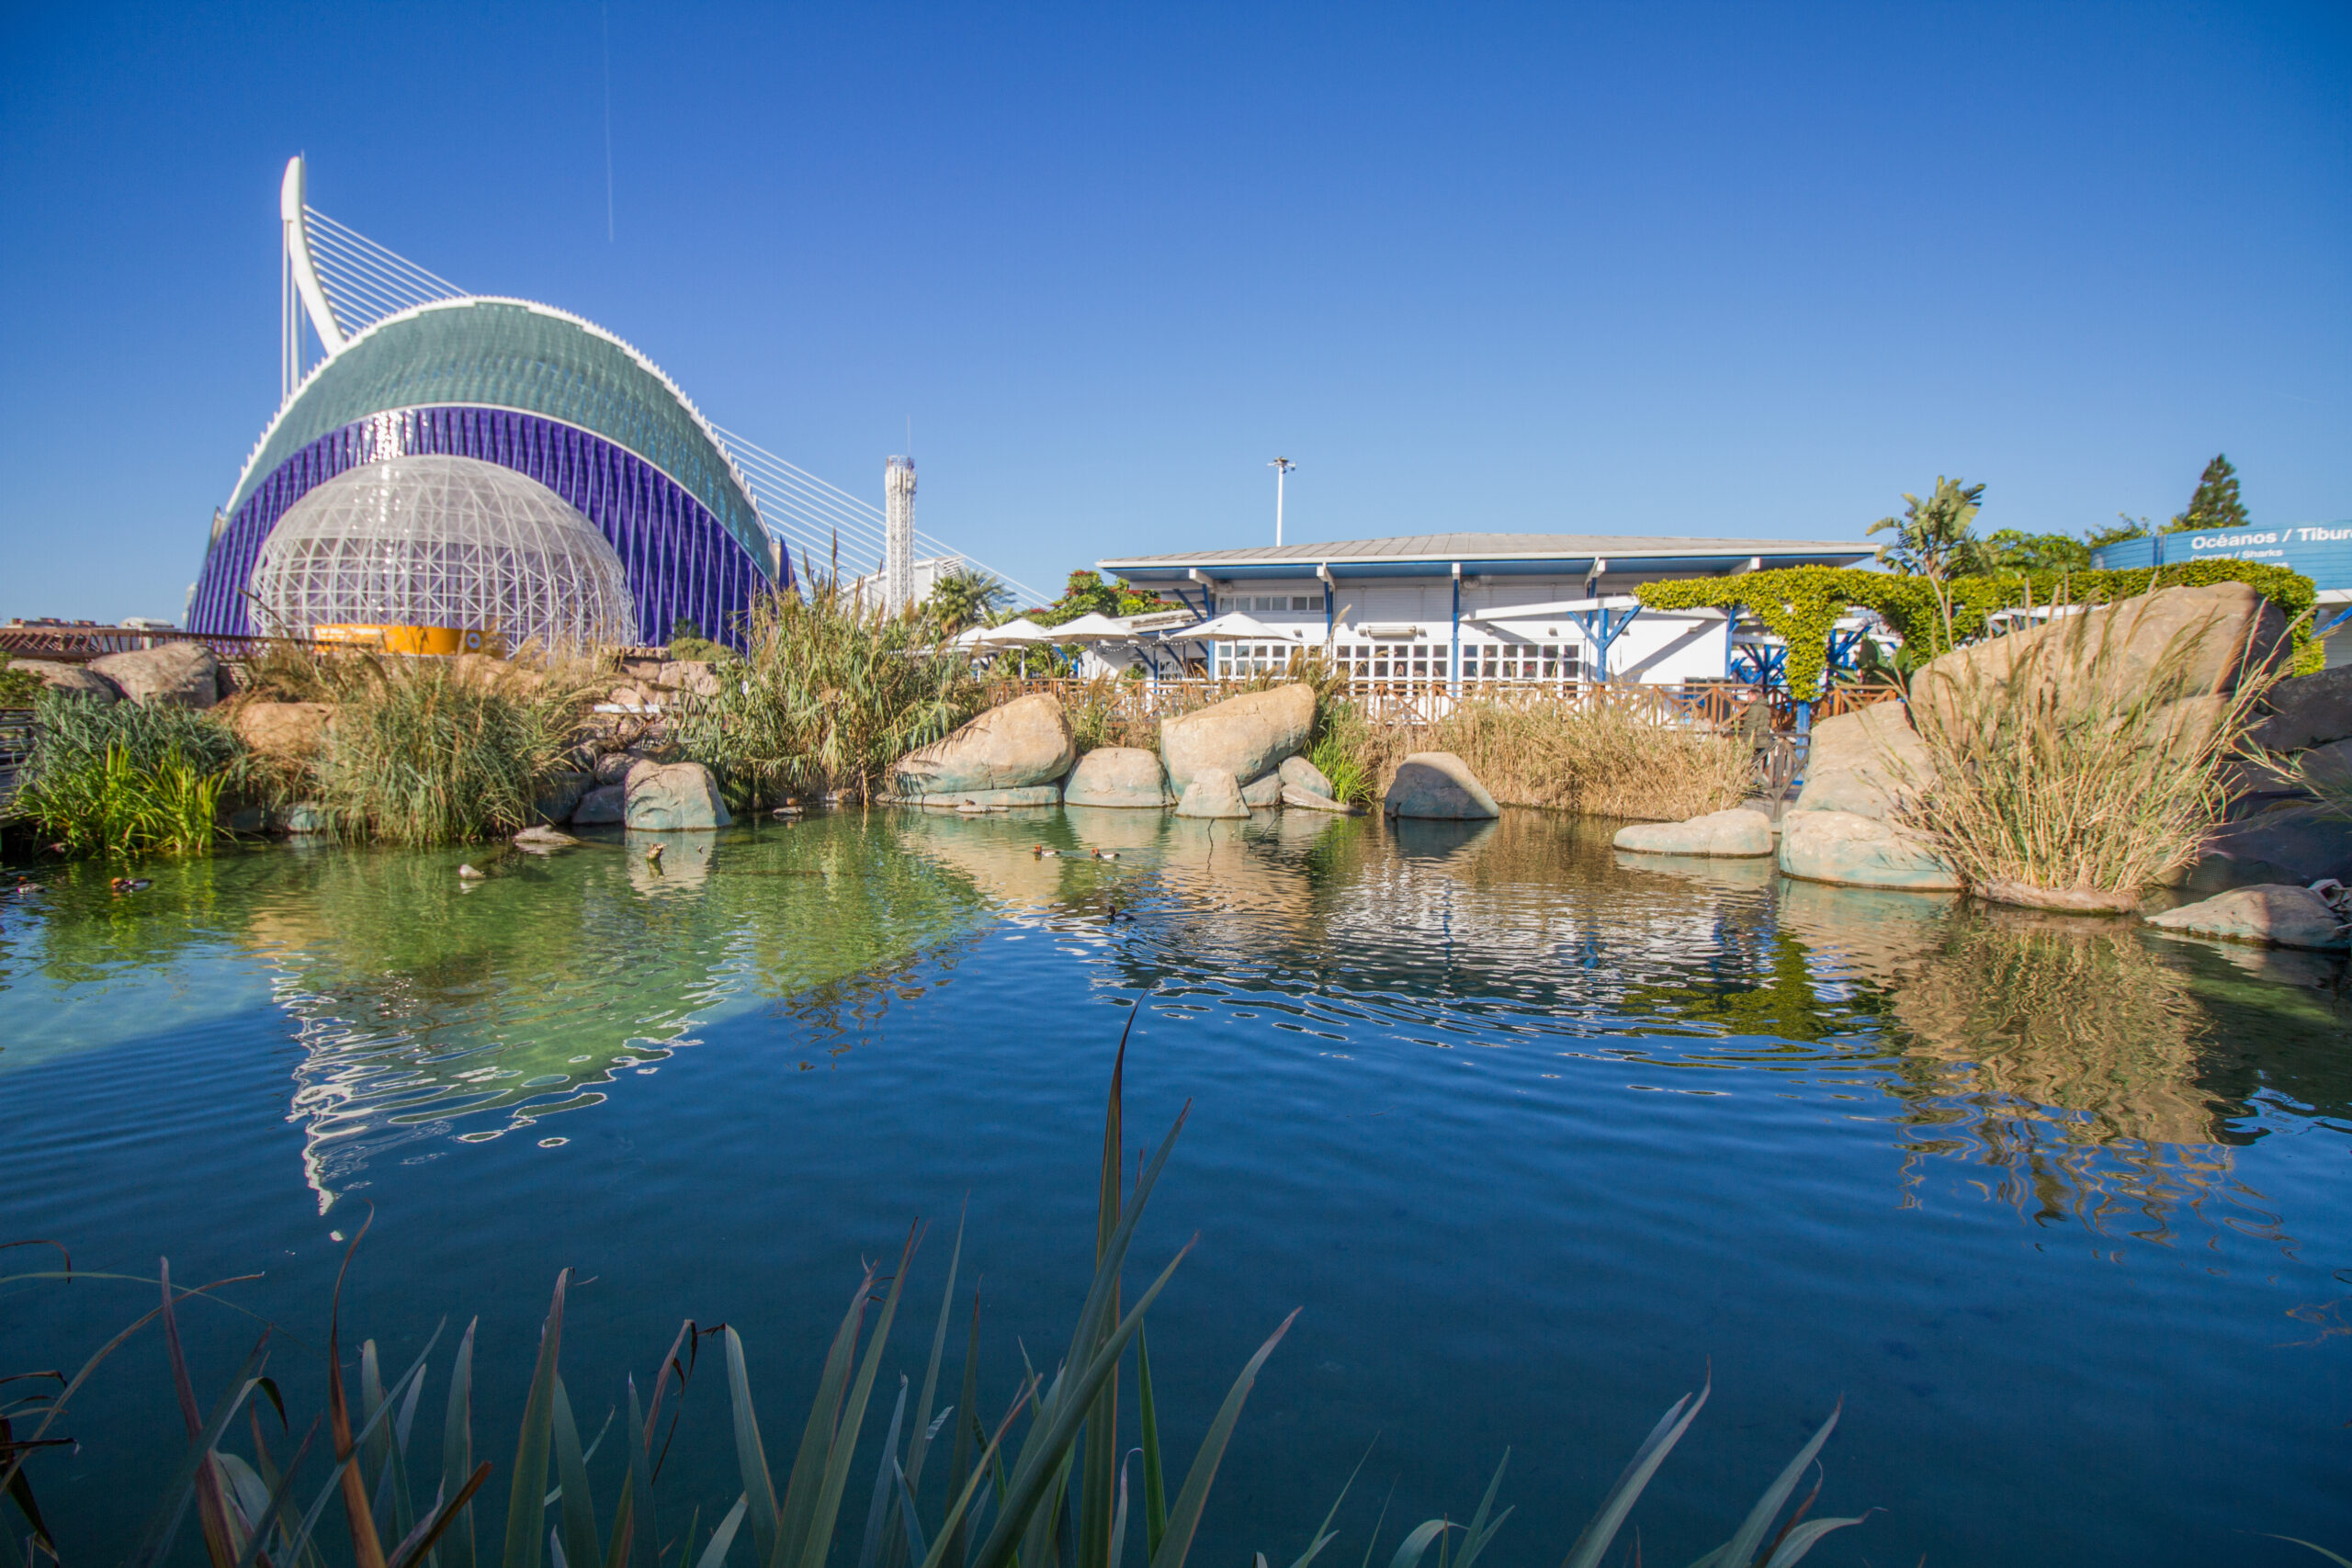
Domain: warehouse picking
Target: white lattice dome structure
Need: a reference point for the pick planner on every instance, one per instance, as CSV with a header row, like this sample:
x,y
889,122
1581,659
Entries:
x,y
444,542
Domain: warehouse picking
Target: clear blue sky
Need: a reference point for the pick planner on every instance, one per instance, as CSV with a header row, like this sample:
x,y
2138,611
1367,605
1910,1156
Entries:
x,y
1693,269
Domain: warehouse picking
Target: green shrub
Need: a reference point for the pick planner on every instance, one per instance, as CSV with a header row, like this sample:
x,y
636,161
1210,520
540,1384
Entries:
x,y
17,687
1801,605
830,694
124,778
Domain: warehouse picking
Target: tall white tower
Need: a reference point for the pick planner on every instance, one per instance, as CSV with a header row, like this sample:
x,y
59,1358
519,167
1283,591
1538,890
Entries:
x,y
899,533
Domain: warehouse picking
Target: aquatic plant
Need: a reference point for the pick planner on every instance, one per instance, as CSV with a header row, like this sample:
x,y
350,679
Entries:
x,y
444,751
1007,1497
2074,774
830,691
124,778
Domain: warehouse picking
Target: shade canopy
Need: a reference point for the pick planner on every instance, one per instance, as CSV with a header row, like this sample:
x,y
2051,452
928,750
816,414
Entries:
x,y
1231,626
1014,634
1091,626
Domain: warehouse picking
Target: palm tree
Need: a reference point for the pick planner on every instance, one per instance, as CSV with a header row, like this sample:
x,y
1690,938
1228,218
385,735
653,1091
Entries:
x,y
1932,537
965,597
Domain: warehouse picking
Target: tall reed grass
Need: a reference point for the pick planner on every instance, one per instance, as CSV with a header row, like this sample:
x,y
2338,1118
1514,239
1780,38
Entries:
x,y
829,692
1598,760
1045,1481
443,750
2074,773
124,778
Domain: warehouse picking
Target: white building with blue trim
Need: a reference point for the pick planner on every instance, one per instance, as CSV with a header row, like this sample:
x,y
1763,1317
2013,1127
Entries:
x,y
1432,609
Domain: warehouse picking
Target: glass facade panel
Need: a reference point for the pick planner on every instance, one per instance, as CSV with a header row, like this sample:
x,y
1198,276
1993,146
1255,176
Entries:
x,y
446,542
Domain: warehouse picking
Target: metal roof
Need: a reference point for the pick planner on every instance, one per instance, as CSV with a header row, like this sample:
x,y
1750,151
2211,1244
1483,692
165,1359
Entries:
x,y
1523,552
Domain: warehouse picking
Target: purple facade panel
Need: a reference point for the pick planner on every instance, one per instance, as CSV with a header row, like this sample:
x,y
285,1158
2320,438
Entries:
x,y
682,563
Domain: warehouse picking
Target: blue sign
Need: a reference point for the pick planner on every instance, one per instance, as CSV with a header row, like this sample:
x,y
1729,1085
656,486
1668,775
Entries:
x,y
2321,551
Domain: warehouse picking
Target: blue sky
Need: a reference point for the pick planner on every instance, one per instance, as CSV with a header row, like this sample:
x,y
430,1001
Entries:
x,y
1694,269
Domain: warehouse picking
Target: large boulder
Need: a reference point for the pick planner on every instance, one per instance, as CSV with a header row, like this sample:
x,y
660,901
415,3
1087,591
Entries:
x,y
1246,736
1299,799
1260,793
1297,773
560,794
2280,914
603,807
1213,792
669,797
1117,775
177,674
1025,741
2307,710
687,677
283,730
1437,784
1737,832
1864,761
988,799
74,680
2294,843
1854,850
2117,649
2328,764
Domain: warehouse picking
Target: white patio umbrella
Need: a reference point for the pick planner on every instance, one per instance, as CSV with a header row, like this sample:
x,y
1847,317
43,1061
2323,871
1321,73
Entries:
x,y
1091,626
1014,634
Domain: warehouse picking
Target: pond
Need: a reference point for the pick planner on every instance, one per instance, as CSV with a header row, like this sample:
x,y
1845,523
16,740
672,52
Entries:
x,y
1540,1137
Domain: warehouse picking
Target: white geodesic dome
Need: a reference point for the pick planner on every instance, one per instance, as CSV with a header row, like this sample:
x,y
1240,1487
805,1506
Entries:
x,y
436,541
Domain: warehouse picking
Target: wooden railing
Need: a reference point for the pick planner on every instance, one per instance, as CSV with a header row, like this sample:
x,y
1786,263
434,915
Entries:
x,y
79,645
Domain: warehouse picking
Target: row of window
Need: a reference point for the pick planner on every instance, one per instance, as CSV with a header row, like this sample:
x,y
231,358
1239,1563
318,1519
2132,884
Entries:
x,y
1253,601
1411,661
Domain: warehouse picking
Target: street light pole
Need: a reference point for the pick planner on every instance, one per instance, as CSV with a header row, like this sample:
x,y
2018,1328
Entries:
x,y
1281,466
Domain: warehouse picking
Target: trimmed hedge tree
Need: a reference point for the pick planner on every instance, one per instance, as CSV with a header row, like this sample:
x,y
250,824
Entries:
x,y
1802,604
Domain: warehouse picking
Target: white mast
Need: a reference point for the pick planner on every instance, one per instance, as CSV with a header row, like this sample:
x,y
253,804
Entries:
x,y
1281,466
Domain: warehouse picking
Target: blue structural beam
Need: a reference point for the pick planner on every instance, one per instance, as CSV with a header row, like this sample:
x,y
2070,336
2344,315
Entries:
x,y
1602,628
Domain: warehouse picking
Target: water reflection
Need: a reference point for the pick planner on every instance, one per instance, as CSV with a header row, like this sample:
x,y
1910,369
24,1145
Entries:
x,y
2087,1069
430,1008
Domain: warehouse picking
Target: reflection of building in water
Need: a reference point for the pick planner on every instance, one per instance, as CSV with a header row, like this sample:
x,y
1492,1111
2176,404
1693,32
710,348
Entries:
x,y
427,1008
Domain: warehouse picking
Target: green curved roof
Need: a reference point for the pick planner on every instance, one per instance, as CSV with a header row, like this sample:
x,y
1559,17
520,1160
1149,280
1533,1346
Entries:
x,y
508,354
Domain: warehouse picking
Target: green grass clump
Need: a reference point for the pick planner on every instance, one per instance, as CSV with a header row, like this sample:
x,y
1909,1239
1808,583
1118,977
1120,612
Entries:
x,y
444,751
124,778
17,687
2071,774
829,693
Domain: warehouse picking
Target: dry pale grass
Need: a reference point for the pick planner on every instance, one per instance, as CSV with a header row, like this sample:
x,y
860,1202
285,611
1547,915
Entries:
x,y
2078,776
1600,762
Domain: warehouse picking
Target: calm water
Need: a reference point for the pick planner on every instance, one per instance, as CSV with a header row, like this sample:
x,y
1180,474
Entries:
x,y
1534,1134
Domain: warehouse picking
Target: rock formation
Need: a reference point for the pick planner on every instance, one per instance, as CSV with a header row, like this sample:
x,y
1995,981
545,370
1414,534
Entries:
x,y
1023,743
1119,776
1732,833
1247,736
1437,784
